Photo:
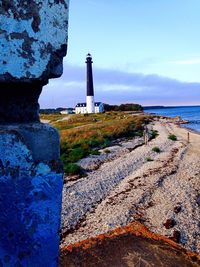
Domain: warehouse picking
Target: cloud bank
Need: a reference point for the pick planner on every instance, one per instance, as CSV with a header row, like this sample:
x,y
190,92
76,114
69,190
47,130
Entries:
x,y
115,86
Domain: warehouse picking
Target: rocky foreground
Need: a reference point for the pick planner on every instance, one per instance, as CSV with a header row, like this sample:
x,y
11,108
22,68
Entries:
x,y
132,245
160,190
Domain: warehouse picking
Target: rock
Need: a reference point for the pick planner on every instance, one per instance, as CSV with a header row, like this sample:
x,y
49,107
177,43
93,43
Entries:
x,y
198,200
32,46
170,223
127,246
176,236
34,36
19,102
93,162
30,195
177,209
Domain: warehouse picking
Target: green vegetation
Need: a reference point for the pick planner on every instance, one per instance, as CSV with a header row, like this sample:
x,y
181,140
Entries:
x,y
172,137
83,135
156,149
95,152
72,169
154,134
149,159
123,107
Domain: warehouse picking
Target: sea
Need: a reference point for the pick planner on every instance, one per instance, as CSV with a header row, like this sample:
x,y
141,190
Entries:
x,y
189,113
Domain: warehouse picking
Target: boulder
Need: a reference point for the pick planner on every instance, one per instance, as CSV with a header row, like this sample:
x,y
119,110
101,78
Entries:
x,y
32,46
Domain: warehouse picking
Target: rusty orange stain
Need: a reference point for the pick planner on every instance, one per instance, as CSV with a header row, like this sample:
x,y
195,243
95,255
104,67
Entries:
x,y
135,228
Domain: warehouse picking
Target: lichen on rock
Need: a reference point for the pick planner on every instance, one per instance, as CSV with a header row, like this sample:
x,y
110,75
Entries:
x,y
33,42
34,36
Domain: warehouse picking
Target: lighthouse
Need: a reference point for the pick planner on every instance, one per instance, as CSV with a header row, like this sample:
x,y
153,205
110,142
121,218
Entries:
x,y
90,105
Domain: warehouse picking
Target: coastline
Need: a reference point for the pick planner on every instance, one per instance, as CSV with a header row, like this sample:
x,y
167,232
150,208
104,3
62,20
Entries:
x,y
186,114
190,130
134,189
181,123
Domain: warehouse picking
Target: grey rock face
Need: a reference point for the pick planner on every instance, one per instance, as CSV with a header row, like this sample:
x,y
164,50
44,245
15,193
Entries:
x,y
33,39
33,42
42,140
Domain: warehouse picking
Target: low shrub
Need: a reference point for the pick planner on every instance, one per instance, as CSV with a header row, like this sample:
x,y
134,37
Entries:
x,y
156,149
93,142
154,134
72,169
76,154
172,137
95,152
106,143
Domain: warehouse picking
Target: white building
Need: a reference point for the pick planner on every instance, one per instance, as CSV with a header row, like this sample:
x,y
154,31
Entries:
x,y
98,107
81,108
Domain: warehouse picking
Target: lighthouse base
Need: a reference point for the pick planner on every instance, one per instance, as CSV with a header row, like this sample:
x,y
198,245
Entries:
x,y
90,104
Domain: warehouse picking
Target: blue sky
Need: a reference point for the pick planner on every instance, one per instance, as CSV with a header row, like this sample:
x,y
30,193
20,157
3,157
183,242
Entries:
x,y
144,51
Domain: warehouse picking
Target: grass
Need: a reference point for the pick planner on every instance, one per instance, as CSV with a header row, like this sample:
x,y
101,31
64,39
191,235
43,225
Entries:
x,y
156,149
95,152
149,159
51,117
82,135
172,137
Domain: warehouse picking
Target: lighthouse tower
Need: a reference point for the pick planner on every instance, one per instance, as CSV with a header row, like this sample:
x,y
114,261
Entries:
x,y
90,87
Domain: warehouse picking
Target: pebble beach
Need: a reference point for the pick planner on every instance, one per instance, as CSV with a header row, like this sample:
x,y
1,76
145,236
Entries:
x,y
133,182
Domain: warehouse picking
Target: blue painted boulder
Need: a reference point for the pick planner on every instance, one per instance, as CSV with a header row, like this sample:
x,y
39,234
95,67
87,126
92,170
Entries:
x,y
30,195
33,42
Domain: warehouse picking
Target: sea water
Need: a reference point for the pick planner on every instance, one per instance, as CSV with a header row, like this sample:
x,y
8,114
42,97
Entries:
x,y
189,113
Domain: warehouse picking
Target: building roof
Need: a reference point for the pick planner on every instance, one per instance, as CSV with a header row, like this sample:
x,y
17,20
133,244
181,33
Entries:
x,y
80,105
96,104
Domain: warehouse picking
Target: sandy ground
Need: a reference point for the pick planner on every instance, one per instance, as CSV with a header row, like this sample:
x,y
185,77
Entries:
x,y
163,194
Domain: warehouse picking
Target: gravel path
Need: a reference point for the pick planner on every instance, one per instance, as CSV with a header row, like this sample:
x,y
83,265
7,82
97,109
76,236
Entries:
x,y
163,194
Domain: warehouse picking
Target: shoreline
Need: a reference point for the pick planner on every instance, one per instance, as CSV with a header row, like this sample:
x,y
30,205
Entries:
x,y
190,129
182,123
131,189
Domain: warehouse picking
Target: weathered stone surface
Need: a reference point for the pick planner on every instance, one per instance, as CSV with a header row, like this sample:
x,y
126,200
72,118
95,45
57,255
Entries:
x,y
33,39
33,42
41,139
30,195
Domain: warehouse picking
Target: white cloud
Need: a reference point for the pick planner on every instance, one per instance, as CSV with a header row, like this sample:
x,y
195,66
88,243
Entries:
x,y
113,86
194,61
118,87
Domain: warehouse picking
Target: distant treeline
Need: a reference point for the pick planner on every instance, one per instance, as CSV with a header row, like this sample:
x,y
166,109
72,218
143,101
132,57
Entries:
x,y
153,107
107,107
123,107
